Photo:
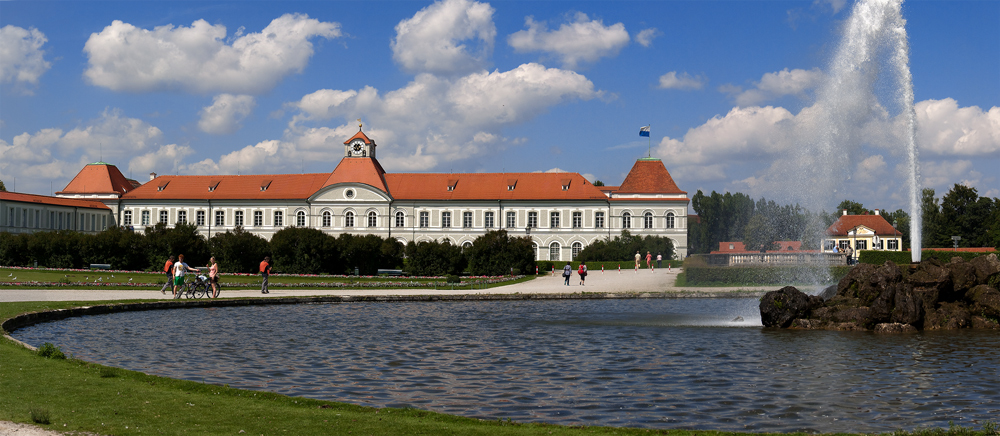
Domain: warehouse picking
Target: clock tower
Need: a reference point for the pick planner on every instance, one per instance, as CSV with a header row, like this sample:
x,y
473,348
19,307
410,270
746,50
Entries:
x,y
359,145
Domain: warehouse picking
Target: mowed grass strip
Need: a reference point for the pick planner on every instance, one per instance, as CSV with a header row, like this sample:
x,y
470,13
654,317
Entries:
x,y
85,397
107,280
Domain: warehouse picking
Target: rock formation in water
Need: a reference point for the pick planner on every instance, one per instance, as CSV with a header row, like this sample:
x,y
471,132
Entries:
x,y
929,296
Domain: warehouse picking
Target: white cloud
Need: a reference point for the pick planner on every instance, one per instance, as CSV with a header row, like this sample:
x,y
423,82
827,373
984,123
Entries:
x,y
225,113
167,158
836,5
744,133
434,120
52,155
672,80
778,84
870,169
943,128
942,175
646,36
582,40
198,59
436,39
21,56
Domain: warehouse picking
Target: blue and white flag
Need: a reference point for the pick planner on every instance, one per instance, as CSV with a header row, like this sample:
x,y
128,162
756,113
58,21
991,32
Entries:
x,y
644,131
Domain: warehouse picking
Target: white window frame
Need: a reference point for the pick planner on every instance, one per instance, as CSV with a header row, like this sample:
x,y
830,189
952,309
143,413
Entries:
x,y
445,220
400,219
199,218
425,219
127,218
349,219
279,218
511,219
372,219
327,219
647,220
258,218
466,220
488,220
220,218
300,218
626,220
533,220
555,251
164,216
554,220
599,220
238,218
670,220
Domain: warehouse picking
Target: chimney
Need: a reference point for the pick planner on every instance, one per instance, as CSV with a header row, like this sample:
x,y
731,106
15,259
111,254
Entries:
x,y
845,210
152,176
877,212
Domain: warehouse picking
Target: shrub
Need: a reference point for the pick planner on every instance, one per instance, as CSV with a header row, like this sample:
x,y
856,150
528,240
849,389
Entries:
x,y
453,279
300,250
903,257
239,250
368,253
50,351
624,247
163,241
496,253
434,258
761,275
39,415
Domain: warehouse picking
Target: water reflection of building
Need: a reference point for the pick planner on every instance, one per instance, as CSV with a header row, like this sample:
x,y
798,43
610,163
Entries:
x,y
560,212
862,232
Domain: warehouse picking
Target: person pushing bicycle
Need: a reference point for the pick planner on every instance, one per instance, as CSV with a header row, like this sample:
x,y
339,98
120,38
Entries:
x,y
180,268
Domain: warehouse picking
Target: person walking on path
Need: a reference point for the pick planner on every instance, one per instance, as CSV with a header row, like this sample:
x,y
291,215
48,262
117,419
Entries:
x,y
649,261
583,273
265,271
659,260
213,276
567,273
168,268
638,258
180,268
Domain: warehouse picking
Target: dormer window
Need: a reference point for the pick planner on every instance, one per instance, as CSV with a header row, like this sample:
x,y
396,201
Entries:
x,y
162,185
451,184
264,184
565,184
511,184
213,184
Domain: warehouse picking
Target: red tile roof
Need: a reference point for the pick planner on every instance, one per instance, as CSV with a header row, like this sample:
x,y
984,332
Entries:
x,y
846,223
54,201
98,178
359,170
739,248
251,187
492,186
361,135
649,176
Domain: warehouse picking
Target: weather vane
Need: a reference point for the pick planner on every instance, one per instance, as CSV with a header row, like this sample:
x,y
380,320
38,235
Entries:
x,y
359,123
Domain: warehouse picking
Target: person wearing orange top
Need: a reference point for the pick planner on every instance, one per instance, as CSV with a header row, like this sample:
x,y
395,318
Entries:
x,y
168,268
265,271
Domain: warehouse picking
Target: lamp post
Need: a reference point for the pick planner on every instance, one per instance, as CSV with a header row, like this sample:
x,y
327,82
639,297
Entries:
x,y
956,239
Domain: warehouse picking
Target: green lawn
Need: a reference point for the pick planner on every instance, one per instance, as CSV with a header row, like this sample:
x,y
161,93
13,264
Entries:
x,y
70,395
16,278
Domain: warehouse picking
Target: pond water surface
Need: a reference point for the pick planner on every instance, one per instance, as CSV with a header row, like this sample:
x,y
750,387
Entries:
x,y
653,363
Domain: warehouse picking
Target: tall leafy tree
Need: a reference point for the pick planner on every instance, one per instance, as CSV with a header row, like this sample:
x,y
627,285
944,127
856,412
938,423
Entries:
x,y
163,241
964,213
498,253
433,258
239,251
300,250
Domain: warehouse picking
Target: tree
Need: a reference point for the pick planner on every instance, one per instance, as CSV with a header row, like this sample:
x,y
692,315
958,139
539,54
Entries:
x,y
853,208
901,221
497,253
623,248
299,250
2,187
596,183
163,241
965,214
931,217
239,251
121,248
368,253
434,258
760,234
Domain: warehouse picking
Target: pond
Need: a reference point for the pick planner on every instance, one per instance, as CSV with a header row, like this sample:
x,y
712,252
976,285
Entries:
x,y
652,363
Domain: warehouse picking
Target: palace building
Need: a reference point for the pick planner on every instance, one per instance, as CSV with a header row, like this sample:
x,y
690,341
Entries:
x,y
560,212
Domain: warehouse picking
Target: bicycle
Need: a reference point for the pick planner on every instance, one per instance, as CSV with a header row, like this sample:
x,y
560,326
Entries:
x,y
197,288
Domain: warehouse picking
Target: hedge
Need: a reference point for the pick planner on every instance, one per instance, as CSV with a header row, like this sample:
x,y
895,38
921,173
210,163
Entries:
x,y
903,257
547,265
763,275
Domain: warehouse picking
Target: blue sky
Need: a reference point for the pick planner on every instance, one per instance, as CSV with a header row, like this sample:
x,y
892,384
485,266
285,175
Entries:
x,y
465,86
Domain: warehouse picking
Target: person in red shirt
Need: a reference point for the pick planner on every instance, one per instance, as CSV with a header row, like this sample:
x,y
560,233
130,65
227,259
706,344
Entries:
x,y
168,268
265,271
649,261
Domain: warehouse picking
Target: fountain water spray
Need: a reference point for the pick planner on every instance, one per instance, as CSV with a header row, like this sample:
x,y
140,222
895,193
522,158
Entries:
x,y
874,40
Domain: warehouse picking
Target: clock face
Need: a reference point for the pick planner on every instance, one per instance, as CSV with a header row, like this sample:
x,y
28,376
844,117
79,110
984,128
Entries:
x,y
357,148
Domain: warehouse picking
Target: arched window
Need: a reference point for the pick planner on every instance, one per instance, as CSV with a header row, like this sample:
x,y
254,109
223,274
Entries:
x,y
670,220
534,250
349,219
400,219
327,218
554,250
372,219
300,218
466,245
576,249
647,220
626,220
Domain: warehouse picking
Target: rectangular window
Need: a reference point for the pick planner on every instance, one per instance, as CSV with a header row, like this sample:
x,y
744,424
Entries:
x,y
182,216
533,219
220,218
445,219
238,219
892,244
127,218
199,218
488,221
279,218
425,219
554,220
599,220
511,220
38,215
164,216
52,220
145,218
861,245
258,218
844,245
577,220
466,219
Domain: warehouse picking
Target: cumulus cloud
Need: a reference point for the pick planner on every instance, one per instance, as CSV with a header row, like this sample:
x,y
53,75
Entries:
x,y
53,155
433,120
21,56
581,40
870,169
166,158
777,84
944,128
198,59
225,113
941,175
672,80
646,36
448,37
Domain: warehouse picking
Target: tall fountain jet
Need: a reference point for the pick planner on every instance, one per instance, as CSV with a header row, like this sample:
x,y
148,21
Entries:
x,y
872,57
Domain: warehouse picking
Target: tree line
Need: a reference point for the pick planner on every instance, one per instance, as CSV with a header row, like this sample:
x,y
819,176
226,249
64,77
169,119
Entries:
x,y
759,224
293,250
